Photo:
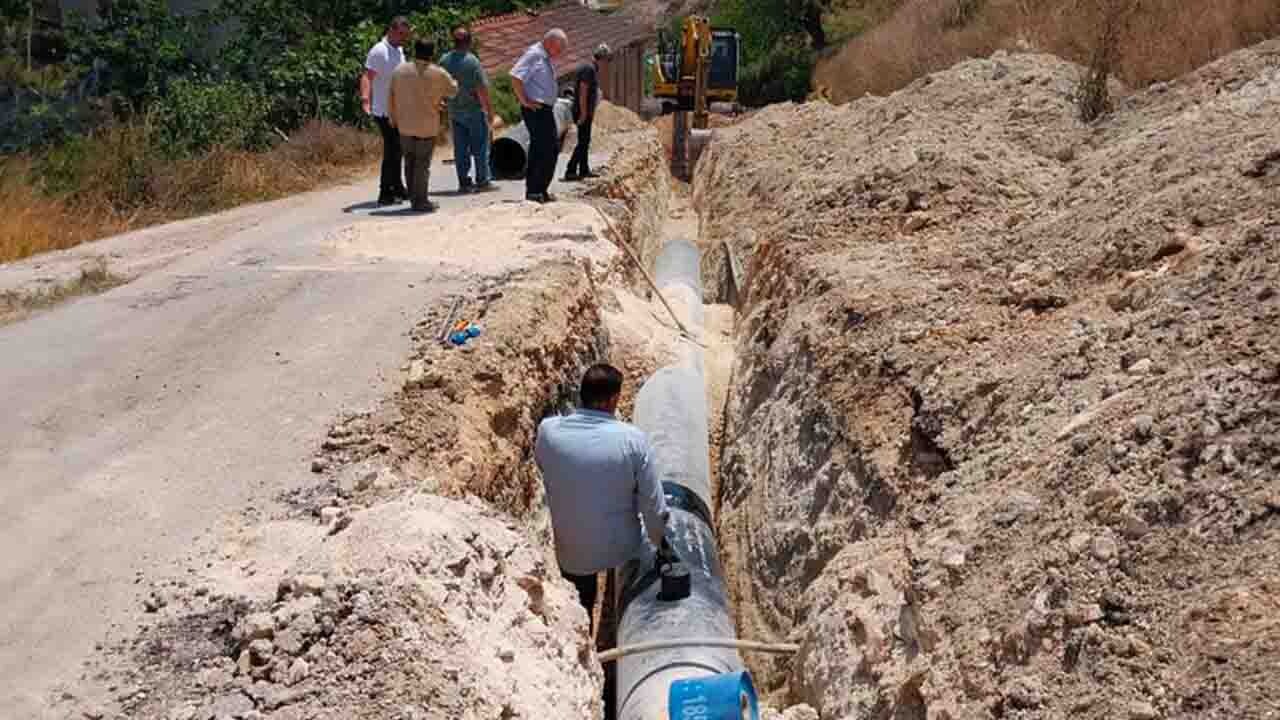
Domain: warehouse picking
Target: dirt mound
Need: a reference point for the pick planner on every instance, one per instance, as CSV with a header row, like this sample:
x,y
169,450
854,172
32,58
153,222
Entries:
x,y
615,118
415,579
1002,440
423,608
1155,40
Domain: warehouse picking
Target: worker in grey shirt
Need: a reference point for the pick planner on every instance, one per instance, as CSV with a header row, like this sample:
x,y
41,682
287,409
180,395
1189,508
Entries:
x,y
601,476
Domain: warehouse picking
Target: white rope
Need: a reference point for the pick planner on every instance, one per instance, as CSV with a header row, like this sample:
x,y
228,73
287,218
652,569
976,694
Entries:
x,y
620,652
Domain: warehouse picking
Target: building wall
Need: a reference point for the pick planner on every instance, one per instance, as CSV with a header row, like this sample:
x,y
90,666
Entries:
x,y
624,83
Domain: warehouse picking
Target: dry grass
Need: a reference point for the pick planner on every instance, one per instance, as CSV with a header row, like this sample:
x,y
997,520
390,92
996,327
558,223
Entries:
x,y
94,278
116,180
1162,39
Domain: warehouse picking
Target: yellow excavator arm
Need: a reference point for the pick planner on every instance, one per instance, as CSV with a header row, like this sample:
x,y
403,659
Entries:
x,y
701,69
698,68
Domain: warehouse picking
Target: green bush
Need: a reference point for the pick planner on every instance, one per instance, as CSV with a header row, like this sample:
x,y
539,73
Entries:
x,y
503,97
195,116
782,74
142,46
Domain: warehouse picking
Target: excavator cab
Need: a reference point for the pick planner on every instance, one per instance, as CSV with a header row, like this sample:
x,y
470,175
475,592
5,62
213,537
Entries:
x,y
699,47
723,71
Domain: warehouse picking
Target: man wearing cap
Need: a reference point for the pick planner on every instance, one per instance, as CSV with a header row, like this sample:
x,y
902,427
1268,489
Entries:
x,y
534,81
584,112
470,113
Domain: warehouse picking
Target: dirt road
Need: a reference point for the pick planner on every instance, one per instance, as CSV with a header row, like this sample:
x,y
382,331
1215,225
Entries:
x,y
141,423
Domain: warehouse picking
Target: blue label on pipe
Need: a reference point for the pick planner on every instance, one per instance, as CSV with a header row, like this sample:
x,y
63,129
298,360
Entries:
x,y
728,696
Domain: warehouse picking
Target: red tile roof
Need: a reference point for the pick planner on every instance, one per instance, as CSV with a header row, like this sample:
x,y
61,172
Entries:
x,y
500,40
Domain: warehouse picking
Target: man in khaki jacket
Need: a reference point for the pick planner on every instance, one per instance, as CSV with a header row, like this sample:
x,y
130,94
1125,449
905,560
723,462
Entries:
x,y
417,91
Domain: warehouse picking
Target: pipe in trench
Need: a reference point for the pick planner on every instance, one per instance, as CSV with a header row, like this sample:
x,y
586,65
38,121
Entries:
x,y
509,155
672,408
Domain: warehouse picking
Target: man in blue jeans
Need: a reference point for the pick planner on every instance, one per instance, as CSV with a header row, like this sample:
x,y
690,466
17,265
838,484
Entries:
x,y
470,113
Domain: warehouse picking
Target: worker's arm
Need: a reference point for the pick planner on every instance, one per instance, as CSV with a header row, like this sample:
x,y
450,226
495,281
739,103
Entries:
x,y
391,105
652,503
482,94
518,86
366,90
525,65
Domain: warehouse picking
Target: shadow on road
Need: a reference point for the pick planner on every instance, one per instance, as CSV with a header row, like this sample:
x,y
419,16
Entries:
x,y
366,205
401,212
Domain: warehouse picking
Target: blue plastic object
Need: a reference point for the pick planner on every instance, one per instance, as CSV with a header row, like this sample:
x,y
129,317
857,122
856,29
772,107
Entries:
x,y
473,331
458,338
728,696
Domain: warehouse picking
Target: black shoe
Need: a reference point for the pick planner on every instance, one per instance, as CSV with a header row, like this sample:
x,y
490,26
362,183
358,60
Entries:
x,y
429,207
466,186
484,186
401,193
540,198
571,177
385,200
588,175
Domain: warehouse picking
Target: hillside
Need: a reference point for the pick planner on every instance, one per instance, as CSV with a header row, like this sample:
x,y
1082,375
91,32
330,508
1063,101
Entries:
x,y
1156,40
1002,436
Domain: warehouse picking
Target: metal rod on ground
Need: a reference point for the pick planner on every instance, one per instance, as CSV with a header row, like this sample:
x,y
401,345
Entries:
x,y
636,649
448,320
620,242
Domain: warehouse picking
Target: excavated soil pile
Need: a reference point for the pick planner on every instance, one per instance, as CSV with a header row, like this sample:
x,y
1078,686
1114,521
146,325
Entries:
x,y
612,118
424,609
415,579
1004,435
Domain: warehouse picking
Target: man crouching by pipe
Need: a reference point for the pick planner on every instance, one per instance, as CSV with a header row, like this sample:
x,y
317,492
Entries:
x,y
601,477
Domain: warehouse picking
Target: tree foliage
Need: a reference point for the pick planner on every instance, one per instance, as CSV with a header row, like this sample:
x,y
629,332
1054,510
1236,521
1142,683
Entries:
x,y
222,75
779,40
764,23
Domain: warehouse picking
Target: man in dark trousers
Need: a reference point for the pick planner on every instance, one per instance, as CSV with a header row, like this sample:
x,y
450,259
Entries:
x,y
601,477
588,97
375,91
534,80
417,91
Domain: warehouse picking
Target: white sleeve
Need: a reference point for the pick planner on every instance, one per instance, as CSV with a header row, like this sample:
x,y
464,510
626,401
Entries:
x,y
650,500
521,69
376,60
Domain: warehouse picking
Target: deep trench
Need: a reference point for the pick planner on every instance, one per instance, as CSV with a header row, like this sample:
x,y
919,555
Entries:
x,y
563,398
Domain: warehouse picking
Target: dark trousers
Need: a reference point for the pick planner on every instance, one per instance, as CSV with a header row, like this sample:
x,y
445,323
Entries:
x,y
586,586
391,183
417,168
541,168
578,160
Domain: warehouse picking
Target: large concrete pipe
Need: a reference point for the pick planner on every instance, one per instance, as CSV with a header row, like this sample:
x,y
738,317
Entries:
x,y
672,408
509,155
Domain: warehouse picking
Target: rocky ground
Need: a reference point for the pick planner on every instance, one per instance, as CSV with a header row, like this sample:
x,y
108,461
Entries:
x,y
1002,437
999,434
413,579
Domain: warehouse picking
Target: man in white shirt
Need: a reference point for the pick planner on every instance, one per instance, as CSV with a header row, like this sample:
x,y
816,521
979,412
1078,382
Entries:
x,y
533,78
375,90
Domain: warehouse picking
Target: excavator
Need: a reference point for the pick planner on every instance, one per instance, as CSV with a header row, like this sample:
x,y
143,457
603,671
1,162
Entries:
x,y
690,72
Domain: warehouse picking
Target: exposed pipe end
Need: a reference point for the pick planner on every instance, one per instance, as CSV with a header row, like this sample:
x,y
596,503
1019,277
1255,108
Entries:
x,y
509,158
